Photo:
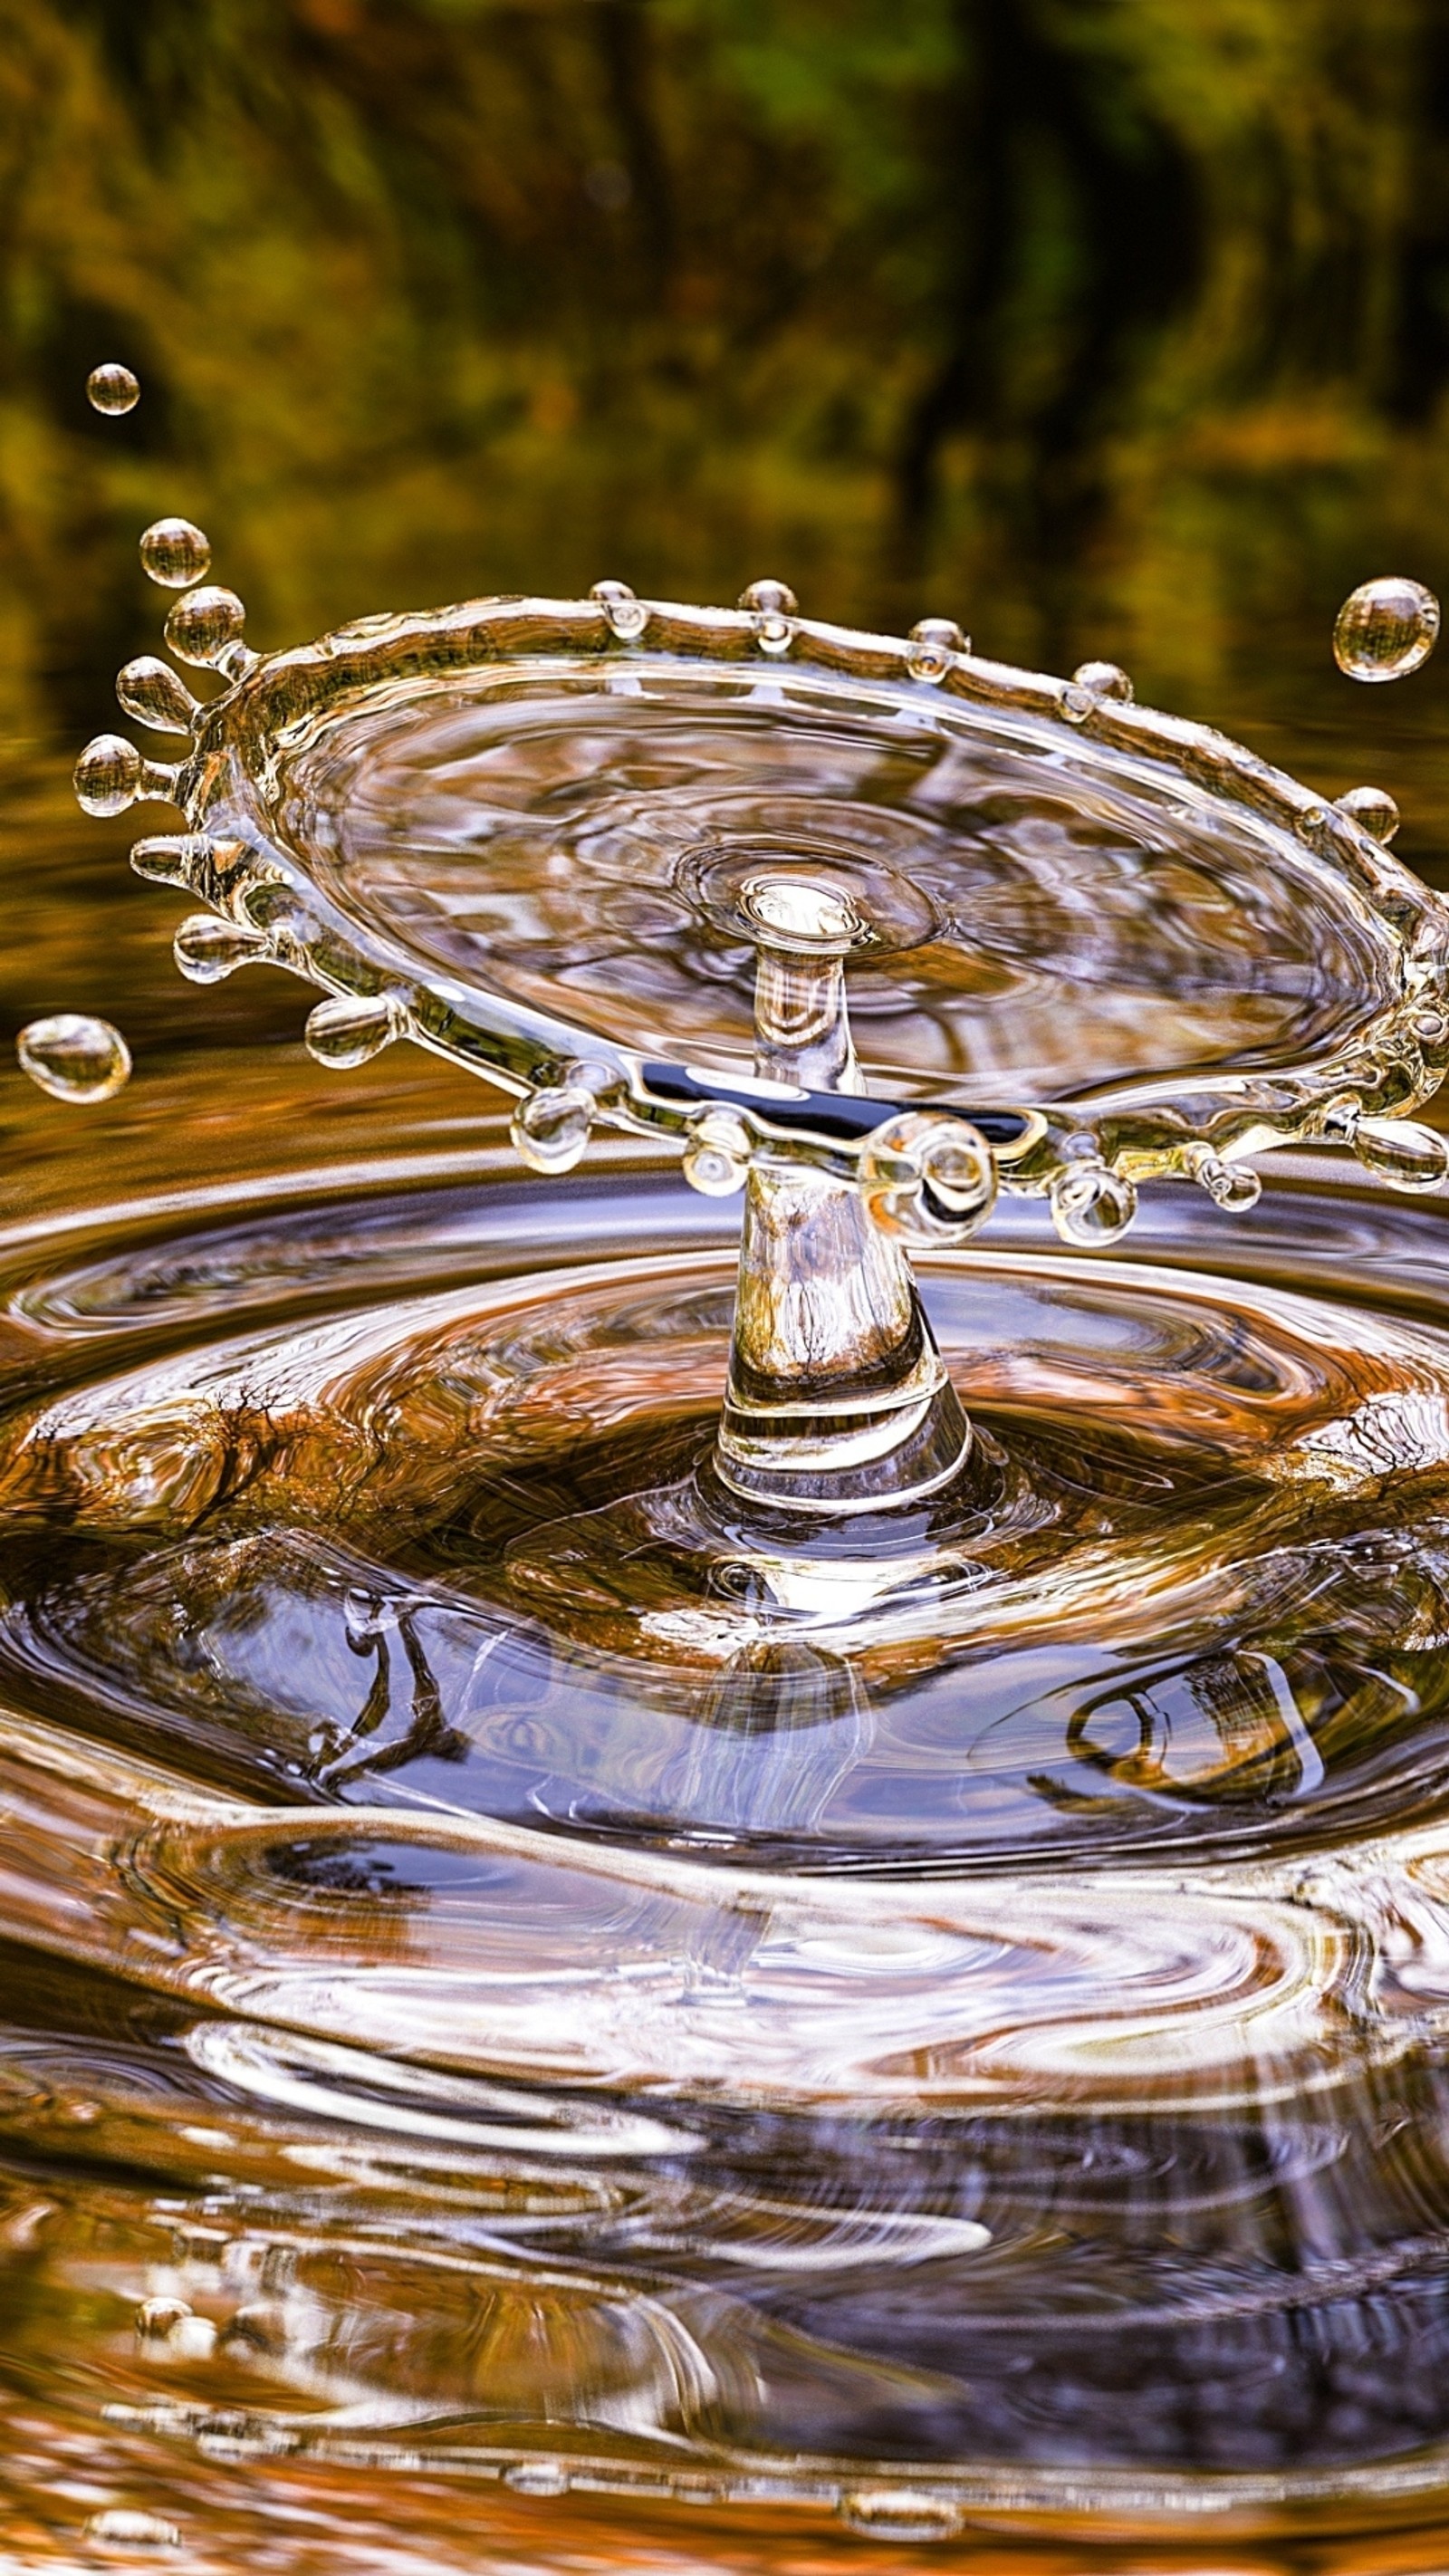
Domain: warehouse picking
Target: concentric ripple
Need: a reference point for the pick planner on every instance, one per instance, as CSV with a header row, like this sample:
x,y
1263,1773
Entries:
x,y
791,2046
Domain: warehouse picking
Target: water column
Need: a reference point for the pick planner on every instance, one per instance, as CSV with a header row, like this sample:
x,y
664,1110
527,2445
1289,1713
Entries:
x,y
838,1401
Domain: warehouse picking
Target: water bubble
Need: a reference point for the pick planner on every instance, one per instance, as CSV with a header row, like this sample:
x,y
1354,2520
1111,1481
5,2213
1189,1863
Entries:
x,y
74,1057
155,695
107,776
349,1028
205,627
1385,629
1374,811
1092,1206
1235,1187
121,2528
175,553
208,948
1399,1151
112,388
774,608
626,614
717,1156
550,1129
935,642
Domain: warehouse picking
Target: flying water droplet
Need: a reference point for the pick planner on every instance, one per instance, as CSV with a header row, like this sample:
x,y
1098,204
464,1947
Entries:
x,y
1399,1151
934,644
1092,1206
205,629
175,553
348,1029
74,1057
155,695
550,1129
112,388
717,1156
1385,629
626,614
208,948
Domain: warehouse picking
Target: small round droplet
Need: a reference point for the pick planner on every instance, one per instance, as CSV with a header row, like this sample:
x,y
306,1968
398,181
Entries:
x,y
155,695
119,2527
927,1179
717,1156
1103,680
1092,1206
350,1028
1385,629
934,644
774,608
204,626
1402,1153
550,1129
74,1057
107,776
157,2318
627,615
1374,811
208,948
175,553
112,388
1235,1187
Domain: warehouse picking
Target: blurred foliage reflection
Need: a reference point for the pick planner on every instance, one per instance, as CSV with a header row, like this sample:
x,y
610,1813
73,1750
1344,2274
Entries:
x,y
1102,324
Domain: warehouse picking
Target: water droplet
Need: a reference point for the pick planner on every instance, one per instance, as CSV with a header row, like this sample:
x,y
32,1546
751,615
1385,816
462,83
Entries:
x,y
928,1180
717,1156
1431,1028
74,1057
774,608
1399,1151
112,388
175,553
207,948
107,776
1104,680
935,642
349,1029
550,1129
156,2318
627,615
192,2338
1092,1206
1385,629
171,858
1235,1187
205,627
121,2528
156,695
1374,810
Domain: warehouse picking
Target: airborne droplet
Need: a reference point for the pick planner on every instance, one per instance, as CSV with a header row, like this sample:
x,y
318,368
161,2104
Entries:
x,y
107,776
1386,629
175,553
73,1057
205,625
112,388
1092,1206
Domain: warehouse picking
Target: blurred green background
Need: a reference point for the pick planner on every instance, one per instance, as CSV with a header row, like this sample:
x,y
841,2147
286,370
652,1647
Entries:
x,y
1107,326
